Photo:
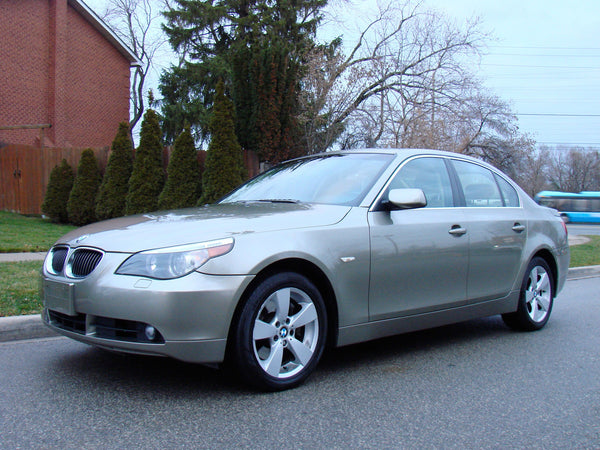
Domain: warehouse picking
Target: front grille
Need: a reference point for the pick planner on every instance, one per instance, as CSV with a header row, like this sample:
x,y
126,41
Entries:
x,y
77,263
59,255
76,324
83,262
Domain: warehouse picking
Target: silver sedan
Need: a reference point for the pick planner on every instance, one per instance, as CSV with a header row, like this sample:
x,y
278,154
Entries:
x,y
327,250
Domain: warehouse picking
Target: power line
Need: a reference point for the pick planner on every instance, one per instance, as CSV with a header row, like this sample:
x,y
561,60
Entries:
x,y
557,115
591,144
541,67
544,48
541,55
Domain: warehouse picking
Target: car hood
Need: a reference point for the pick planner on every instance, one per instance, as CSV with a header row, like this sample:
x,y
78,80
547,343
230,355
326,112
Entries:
x,y
169,228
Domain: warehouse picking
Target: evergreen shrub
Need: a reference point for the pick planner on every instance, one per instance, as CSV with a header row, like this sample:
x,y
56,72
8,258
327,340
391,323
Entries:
x,y
115,184
57,192
182,188
82,201
147,178
224,167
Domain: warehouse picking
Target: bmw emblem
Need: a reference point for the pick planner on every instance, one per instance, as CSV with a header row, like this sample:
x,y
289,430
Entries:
x,y
82,238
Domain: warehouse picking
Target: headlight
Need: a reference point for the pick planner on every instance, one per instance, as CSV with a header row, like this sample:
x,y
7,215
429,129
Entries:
x,y
173,262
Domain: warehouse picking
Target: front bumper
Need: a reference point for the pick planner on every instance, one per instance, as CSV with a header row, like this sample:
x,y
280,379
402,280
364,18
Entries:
x,y
190,316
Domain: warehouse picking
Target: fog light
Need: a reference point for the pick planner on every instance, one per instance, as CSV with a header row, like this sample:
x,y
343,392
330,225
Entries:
x,y
150,332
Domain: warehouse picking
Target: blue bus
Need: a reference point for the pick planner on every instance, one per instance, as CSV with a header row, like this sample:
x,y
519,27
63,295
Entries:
x,y
581,207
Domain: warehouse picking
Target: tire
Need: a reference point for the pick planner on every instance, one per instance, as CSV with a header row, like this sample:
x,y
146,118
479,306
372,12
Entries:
x,y
280,333
535,300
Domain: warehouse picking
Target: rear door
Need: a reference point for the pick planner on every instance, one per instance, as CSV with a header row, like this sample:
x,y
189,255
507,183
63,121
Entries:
x,y
497,231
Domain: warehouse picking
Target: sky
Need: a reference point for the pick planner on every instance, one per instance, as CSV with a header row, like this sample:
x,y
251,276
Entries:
x,y
545,61
542,58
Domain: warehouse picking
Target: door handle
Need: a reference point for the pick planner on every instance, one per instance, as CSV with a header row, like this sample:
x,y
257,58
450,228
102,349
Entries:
x,y
518,228
457,230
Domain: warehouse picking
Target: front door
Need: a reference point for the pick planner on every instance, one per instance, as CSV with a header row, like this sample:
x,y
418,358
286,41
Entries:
x,y
419,257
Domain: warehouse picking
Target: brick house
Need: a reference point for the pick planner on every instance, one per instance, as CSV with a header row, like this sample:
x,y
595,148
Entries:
x,y
60,65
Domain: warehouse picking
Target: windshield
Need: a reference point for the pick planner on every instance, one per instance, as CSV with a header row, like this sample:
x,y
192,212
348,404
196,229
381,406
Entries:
x,y
337,179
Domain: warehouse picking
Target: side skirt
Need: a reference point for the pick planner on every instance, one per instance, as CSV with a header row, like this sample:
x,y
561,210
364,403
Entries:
x,y
374,330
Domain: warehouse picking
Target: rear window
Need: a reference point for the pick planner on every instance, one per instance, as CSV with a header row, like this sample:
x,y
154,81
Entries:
x,y
509,194
478,184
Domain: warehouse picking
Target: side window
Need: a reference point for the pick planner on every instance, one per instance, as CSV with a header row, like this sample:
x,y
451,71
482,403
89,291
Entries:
x,y
511,198
478,184
431,176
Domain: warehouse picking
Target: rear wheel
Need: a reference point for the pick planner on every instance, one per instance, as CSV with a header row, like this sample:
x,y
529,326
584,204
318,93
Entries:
x,y
536,298
280,334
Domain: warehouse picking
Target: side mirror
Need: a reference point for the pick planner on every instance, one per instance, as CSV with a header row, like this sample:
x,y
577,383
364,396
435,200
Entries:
x,y
407,198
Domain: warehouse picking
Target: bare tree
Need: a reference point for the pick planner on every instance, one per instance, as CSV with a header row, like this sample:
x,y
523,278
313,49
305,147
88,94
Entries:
x,y
137,23
405,66
575,170
530,170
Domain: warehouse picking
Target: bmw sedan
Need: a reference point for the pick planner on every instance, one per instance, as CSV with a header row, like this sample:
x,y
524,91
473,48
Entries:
x,y
326,250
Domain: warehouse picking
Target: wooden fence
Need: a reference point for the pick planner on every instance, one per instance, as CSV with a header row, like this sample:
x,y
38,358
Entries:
x,y
25,172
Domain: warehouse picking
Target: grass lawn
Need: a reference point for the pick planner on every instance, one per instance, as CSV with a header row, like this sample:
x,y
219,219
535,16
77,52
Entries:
x,y
19,285
586,254
28,234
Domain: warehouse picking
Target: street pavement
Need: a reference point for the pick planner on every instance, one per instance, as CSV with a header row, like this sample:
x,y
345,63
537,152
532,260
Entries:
x,y
31,326
472,385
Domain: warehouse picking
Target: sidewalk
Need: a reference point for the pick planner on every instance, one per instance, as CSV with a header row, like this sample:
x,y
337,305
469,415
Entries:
x,y
16,257
578,240
31,326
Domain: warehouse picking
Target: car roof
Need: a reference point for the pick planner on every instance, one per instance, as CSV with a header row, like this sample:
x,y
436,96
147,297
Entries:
x,y
404,153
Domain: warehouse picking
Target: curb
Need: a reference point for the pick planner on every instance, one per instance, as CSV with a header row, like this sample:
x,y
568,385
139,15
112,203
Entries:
x,y
576,273
17,328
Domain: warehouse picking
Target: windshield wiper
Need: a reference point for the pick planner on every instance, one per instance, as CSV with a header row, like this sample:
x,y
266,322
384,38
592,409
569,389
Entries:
x,y
278,200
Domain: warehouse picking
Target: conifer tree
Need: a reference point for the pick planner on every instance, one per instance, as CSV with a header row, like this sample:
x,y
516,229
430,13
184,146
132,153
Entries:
x,y
57,192
147,178
274,109
82,201
259,48
224,168
115,184
182,188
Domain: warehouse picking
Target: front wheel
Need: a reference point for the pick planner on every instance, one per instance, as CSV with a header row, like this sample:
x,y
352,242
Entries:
x,y
280,333
535,300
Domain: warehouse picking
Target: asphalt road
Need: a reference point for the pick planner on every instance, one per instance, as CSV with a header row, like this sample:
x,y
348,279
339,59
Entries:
x,y
585,229
471,385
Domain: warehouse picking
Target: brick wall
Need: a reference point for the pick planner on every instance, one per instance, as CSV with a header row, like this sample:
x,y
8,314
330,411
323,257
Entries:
x,y
24,60
98,86
56,68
